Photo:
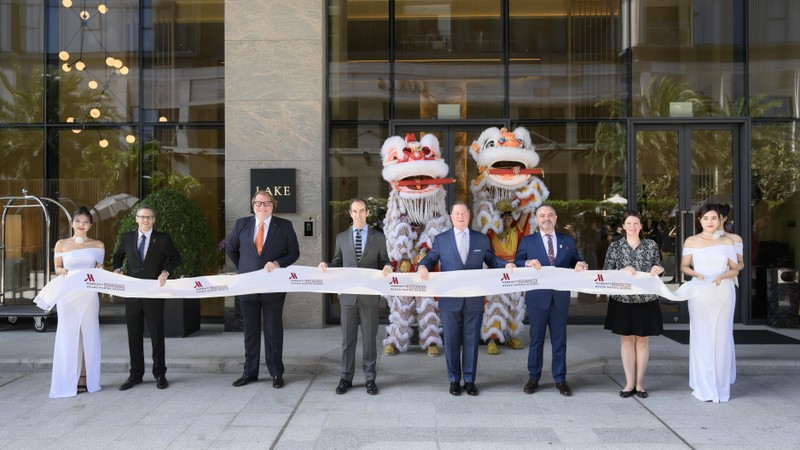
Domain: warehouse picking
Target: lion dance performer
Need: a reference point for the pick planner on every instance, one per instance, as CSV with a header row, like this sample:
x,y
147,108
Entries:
x,y
505,194
416,212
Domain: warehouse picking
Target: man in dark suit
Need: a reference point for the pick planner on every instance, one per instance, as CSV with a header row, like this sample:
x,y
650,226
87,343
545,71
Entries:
x,y
461,248
359,246
150,255
268,242
546,307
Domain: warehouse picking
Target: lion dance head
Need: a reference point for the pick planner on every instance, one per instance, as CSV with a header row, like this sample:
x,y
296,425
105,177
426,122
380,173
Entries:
x,y
507,180
417,173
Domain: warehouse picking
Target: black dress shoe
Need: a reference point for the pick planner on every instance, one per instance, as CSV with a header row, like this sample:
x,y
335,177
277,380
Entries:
x,y
343,386
626,394
161,382
372,388
640,394
471,389
277,382
129,383
244,380
531,386
455,388
563,389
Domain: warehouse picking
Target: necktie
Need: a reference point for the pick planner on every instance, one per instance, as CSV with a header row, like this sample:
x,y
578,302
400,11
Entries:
x,y
358,244
141,247
551,254
462,246
260,237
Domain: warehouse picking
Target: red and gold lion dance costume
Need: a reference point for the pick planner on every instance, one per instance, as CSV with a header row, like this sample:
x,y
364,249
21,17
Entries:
x,y
506,186
416,212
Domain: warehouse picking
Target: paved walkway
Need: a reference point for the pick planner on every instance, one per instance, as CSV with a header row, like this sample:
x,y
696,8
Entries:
x,y
413,410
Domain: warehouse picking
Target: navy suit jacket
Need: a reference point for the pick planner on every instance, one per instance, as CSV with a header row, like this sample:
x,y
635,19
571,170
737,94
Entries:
x,y
445,251
161,255
567,256
280,244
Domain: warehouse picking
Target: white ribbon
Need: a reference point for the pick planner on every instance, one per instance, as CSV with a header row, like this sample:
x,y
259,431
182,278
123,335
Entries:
x,y
462,283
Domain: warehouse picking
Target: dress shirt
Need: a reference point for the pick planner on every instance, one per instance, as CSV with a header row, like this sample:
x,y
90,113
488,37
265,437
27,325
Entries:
x,y
266,228
146,241
555,242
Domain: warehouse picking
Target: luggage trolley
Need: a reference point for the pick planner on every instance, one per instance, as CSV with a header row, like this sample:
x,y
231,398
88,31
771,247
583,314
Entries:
x,y
17,280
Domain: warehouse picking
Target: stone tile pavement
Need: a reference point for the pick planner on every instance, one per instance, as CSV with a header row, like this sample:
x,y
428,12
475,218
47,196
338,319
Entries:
x,y
413,410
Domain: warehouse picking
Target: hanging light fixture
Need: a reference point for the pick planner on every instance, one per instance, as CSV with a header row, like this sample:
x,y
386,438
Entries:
x,y
114,66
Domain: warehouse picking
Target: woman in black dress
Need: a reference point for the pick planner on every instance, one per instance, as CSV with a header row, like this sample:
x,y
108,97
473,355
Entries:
x,y
634,317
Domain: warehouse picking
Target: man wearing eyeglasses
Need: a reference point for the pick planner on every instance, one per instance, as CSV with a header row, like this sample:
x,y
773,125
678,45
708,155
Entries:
x,y
150,255
268,242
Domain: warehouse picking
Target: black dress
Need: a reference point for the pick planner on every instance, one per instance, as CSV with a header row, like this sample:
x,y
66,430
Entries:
x,y
633,315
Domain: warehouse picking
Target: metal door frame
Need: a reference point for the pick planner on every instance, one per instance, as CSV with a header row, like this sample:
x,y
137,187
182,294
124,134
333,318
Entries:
x,y
740,131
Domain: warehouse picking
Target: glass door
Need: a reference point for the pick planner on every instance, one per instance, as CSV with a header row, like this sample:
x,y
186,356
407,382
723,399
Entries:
x,y
676,168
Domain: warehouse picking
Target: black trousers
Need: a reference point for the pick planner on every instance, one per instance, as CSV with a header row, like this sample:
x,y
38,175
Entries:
x,y
269,309
137,310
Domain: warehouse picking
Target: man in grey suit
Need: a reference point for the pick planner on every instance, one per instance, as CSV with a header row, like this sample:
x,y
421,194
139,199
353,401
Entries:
x,y
460,248
359,246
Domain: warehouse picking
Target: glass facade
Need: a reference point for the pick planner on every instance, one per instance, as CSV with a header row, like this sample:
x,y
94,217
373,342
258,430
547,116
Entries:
x,y
649,105
101,104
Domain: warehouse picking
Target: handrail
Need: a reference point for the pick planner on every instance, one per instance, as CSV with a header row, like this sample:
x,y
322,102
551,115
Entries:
x,y
39,202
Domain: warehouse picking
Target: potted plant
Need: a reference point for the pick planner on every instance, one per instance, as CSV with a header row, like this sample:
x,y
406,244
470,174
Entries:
x,y
183,220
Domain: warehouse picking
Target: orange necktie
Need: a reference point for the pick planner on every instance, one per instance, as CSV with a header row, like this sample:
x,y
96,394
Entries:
x,y
260,237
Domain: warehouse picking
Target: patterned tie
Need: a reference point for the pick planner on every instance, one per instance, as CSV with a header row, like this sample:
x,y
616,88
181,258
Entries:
x,y
358,244
260,237
462,246
551,254
141,247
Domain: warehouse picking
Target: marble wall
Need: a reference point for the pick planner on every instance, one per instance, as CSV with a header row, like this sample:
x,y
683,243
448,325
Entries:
x,y
274,118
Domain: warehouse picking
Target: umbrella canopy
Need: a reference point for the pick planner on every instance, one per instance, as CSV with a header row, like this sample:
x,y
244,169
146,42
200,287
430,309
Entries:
x,y
616,198
113,205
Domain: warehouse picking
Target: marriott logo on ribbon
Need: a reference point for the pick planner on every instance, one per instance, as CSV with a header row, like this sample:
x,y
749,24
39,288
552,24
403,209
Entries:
x,y
198,285
293,276
89,278
394,281
599,278
505,277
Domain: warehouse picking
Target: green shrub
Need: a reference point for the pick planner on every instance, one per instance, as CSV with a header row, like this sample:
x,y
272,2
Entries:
x,y
181,218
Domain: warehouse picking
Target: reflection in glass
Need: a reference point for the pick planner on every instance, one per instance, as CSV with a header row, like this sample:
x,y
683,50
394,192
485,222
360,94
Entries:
x,y
564,56
686,51
97,59
449,59
184,69
358,70
773,61
21,161
657,198
21,61
775,199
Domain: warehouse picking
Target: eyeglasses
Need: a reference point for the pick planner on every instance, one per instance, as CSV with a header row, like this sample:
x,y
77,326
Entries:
x,y
262,203
145,217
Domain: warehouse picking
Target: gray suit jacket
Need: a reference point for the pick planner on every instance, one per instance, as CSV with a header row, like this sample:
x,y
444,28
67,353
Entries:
x,y
373,256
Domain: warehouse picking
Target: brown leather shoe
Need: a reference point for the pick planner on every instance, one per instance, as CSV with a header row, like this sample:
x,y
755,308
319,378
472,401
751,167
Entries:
x,y
531,386
563,389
